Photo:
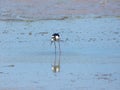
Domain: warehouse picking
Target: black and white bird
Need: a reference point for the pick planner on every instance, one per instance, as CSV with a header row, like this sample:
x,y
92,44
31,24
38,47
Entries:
x,y
55,38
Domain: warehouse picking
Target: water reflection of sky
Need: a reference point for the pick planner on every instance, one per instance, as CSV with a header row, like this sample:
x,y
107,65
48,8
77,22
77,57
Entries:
x,y
89,60
71,76
89,37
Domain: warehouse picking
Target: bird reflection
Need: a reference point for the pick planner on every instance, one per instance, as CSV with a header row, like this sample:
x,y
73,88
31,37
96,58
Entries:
x,y
56,40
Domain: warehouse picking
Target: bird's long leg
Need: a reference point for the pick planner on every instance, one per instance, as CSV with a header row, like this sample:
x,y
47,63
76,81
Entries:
x,y
55,53
59,53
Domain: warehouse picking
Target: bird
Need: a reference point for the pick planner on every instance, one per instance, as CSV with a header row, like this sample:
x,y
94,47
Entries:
x,y
55,38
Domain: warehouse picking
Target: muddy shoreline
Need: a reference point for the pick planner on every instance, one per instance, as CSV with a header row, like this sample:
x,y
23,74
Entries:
x,y
55,9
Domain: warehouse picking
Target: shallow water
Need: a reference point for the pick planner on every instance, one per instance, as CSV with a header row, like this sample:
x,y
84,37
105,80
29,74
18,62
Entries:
x,y
72,76
90,54
81,38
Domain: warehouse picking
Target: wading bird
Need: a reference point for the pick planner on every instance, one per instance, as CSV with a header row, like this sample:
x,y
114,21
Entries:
x,y
56,39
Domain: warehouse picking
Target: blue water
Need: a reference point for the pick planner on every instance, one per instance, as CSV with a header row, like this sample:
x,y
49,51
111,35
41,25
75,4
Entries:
x,y
90,57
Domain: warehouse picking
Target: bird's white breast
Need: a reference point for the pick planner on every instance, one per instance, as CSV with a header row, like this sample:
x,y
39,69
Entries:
x,y
57,37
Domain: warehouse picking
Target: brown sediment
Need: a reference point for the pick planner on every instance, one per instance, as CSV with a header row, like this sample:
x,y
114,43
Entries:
x,y
30,33
1,72
104,76
10,65
41,33
116,32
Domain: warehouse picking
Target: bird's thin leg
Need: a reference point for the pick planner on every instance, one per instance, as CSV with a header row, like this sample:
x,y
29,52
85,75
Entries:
x,y
55,54
59,53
